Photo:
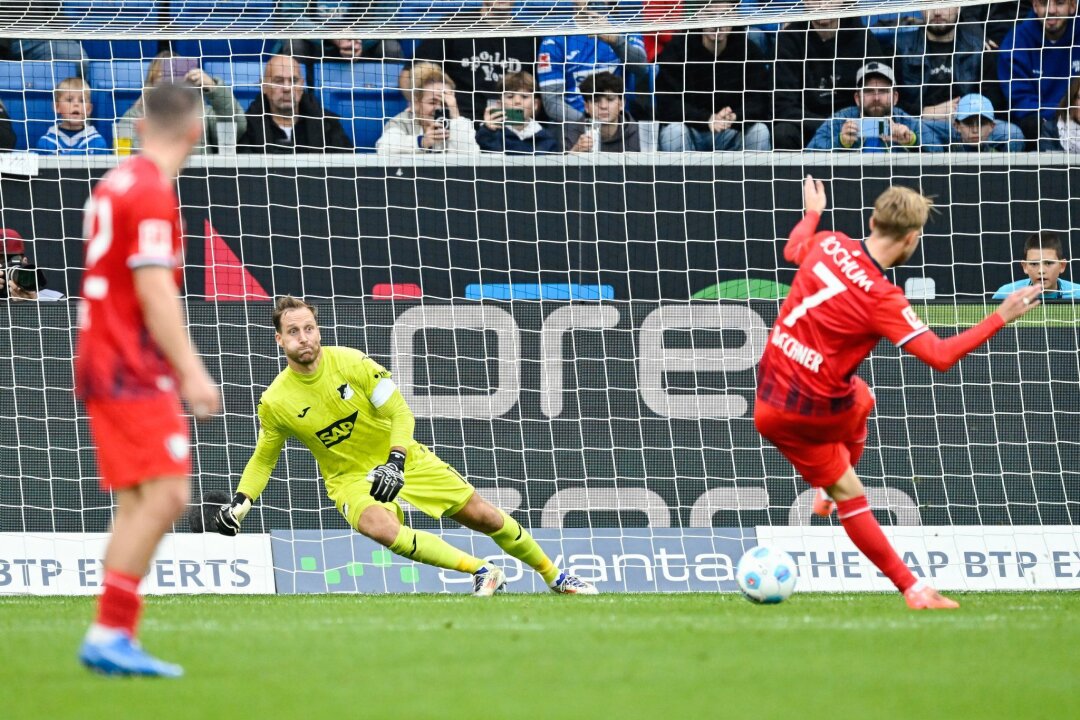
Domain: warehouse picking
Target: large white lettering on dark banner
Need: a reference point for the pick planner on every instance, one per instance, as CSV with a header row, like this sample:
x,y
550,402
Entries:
x,y
584,415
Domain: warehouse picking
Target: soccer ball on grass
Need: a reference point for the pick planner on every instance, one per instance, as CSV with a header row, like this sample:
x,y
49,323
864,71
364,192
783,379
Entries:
x,y
766,575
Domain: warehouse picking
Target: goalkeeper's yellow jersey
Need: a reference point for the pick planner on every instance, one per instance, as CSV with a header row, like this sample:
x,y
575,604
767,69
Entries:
x,y
348,413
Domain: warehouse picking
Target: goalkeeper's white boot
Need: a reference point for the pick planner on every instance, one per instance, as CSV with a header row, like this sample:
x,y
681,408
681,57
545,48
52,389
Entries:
x,y
568,584
113,652
488,580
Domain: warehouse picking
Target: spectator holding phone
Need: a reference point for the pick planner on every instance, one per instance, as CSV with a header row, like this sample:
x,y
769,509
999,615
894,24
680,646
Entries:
x,y
20,279
431,122
510,125
608,129
224,117
874,123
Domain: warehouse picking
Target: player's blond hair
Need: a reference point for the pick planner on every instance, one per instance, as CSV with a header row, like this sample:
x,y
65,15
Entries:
x,y
71,83
899,210
285,303
421,76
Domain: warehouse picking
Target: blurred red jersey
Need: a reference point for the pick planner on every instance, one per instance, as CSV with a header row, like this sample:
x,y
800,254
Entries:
x,y
840,306
131,220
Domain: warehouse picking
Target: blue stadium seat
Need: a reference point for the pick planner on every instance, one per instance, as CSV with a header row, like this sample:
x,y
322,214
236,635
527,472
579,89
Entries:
x,y
887,26
363,94
26,89
222,50
120,49
214,14
425,11
121,15
245,78
115,86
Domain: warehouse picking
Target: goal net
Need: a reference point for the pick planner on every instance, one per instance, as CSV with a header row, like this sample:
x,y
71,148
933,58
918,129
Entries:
x,y
573,302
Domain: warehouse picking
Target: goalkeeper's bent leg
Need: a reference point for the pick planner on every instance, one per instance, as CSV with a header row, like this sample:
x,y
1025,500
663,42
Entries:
x,y
517,543
431,550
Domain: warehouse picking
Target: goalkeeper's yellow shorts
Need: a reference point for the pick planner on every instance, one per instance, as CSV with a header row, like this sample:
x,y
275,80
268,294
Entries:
x,y
432,486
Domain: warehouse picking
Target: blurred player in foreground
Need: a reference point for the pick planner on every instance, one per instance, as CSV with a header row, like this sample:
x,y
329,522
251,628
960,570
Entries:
x,y
135,363
810,403
345,408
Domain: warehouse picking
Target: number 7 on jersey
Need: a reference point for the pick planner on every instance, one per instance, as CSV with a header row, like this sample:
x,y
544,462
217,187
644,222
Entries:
x,y
833,287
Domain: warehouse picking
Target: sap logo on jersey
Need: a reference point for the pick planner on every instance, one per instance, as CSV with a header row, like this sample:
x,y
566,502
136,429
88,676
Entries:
x,y
338,431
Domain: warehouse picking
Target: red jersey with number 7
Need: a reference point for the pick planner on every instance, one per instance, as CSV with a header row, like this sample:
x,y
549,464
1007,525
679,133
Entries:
x,y
131,221
840,306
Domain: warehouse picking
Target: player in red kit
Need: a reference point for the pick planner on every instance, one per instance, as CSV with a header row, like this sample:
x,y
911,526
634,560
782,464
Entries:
x,y
135,363
810,403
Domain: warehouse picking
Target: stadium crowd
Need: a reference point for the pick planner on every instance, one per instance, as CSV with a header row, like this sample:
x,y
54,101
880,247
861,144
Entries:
x,y
999,77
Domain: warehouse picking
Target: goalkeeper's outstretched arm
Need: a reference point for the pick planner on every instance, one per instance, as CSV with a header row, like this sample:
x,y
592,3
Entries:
x,y
256,474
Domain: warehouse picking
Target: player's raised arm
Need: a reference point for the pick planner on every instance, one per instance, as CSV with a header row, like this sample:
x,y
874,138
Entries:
x,y
943,354
814,202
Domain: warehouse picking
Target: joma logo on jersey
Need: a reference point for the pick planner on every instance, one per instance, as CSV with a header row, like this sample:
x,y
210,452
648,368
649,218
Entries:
x,y
338,431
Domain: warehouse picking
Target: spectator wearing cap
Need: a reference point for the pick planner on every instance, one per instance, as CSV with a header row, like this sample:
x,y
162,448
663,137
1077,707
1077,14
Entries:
x,y
975,128
874,123
15,266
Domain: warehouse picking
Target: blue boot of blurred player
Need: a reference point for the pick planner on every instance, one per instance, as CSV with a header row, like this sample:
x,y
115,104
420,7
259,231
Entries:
x,y
113,652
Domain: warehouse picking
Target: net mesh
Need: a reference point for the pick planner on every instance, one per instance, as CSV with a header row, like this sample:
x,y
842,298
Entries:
x,y
577,332
138,19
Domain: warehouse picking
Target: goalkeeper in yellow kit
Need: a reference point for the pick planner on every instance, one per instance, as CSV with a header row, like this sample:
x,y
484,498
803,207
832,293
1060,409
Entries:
x,y
346,409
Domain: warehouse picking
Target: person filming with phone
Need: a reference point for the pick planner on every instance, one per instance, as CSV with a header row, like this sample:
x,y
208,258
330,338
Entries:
x,y
874,123
20,279
509,123
431,122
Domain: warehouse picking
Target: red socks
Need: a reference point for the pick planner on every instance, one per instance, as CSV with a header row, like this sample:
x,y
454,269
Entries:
x,y
119,604
863,529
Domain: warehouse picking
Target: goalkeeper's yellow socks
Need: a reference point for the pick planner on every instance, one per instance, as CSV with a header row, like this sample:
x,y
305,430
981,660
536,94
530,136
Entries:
x,y
517,543
431,550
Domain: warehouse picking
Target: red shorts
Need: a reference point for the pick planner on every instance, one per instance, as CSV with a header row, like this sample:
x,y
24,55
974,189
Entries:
x,y
820,447
139,439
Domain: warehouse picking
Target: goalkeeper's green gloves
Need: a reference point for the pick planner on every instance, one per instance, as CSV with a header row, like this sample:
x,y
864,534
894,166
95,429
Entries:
x,y
388,479
229,516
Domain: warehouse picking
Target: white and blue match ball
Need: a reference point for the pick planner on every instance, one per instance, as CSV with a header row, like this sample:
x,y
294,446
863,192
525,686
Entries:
x,y
766,575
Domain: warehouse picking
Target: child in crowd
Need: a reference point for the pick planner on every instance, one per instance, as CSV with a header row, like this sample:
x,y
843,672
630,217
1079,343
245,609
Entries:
x,y
72,134
609,130
510,125
1044,261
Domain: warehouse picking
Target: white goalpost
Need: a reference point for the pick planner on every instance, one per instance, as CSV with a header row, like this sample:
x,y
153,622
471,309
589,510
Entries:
x,y
577,333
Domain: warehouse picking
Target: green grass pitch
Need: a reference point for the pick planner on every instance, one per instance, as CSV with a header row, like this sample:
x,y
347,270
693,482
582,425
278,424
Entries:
x,y
671,657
